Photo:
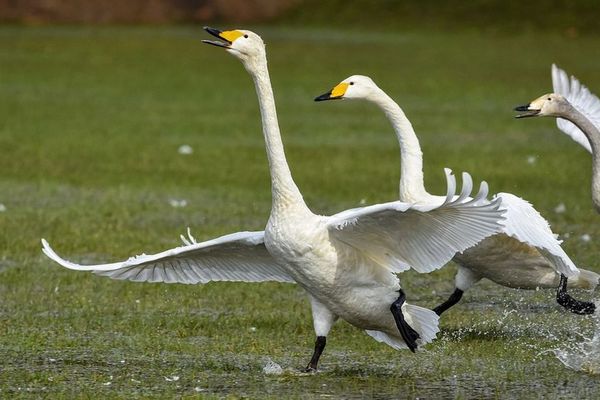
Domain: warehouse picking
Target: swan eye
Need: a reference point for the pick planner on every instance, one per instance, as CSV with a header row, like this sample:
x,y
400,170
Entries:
x,y
352,83
246,36
549,98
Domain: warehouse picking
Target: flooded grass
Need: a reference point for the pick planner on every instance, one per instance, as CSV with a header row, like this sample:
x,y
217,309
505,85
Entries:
x,y
92,122
583,353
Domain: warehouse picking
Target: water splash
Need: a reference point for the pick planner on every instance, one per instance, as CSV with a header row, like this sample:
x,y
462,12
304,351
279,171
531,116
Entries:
x,y
585,355
272,368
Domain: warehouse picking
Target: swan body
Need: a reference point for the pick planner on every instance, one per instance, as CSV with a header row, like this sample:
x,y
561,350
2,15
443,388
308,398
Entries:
x,y
577,113
525,254
345,262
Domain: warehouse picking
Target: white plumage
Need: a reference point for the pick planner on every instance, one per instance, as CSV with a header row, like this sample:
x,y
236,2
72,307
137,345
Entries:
x,y
240,257
378,231
578,115
524,223
344,262
582,99
526,254
455,220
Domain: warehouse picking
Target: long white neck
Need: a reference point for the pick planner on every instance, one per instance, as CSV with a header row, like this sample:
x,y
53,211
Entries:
x,y
285,193
593,135
412,187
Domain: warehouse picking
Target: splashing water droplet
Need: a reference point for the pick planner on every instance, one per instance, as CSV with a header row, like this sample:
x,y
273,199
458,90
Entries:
x,y
272,368
584,356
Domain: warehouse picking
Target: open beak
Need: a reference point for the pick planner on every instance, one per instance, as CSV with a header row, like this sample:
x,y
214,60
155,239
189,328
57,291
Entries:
x,y
218,34
526,111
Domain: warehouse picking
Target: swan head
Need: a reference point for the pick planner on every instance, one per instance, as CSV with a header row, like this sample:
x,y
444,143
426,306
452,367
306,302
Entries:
x,y
548,105
243,44
353,87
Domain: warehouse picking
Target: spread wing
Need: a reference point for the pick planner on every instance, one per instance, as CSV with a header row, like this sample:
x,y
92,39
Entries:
x,y
525,224
240,257
582,99
400,235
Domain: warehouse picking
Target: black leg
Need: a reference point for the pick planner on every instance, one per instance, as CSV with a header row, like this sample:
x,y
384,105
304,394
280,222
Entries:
x,y
575,306
319,347
452,300
409,335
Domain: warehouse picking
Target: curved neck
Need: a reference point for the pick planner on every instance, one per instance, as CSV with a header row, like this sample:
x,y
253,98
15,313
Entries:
x,y
412,187
593,135
284,191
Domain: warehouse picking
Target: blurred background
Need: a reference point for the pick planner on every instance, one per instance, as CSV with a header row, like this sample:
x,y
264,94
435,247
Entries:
x,y
570,17
119,129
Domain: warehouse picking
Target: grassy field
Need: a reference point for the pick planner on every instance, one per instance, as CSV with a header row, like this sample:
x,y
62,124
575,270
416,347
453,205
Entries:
x,y
90,125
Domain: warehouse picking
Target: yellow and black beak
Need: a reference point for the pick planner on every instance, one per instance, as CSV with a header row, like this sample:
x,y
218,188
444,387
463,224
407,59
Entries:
x,y
337,93
227,37
527,111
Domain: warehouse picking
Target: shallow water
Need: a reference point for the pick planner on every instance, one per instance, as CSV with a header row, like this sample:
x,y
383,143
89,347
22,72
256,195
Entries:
x,y
272,368
583,354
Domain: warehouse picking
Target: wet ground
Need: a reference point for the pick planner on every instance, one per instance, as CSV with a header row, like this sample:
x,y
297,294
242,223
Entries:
x,y
498,343
91,121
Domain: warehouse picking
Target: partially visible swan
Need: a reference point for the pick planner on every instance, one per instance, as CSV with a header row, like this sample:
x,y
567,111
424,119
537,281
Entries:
x,y
578,115
345,262
525,255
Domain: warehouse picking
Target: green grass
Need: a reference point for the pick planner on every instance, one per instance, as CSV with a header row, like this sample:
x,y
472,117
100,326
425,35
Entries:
x,y
90,124
570,17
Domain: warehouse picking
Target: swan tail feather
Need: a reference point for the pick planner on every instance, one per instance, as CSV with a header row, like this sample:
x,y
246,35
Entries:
x,y
422,320
585,280
394,342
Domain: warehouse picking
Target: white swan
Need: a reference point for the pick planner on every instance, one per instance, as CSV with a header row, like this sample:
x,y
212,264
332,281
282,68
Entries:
x,y
345,262
578,115
525,255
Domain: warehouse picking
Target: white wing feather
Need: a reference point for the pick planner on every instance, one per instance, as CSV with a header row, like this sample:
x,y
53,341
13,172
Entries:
x,y
582,99
525,224
399,235
238,257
